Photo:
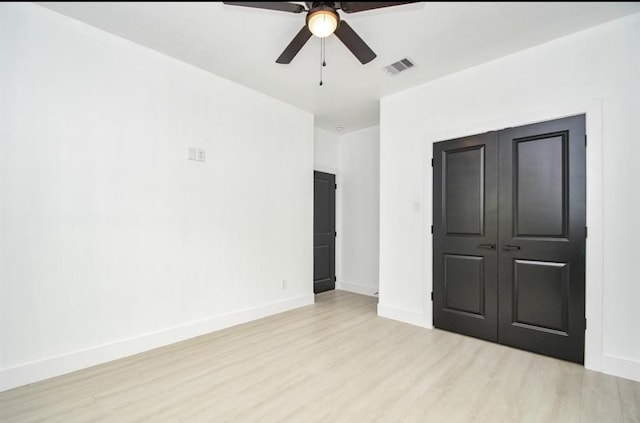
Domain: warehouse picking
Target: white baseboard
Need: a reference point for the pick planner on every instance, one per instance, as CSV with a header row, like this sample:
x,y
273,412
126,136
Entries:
x,y
24,374
357,288
404,315
621,367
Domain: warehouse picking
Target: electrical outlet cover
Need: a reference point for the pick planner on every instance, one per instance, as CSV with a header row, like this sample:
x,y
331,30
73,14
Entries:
x,y
192,153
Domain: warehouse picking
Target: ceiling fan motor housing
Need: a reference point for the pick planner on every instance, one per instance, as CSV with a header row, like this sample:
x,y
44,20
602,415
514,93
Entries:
x,y
313,4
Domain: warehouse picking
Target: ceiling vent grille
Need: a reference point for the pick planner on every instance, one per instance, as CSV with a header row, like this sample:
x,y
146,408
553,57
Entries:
x,y
399,66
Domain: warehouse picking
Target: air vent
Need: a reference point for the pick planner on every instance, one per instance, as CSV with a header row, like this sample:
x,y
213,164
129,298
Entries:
x,y
399,66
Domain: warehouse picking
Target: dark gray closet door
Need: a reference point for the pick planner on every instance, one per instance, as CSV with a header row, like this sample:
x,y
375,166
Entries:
x,y
465,235
542,208
524,187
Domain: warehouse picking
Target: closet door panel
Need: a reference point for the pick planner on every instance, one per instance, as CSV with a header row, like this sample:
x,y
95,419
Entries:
x,y
542,237
465,234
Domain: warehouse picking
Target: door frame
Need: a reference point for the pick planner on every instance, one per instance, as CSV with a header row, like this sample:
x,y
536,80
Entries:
x,y
592,109
338,205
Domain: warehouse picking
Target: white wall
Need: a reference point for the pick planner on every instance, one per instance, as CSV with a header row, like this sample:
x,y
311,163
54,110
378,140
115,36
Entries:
x,y
359,192
325,151
596,72
111,241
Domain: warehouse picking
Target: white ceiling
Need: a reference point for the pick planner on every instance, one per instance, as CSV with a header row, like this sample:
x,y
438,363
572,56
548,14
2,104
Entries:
x,y
241,44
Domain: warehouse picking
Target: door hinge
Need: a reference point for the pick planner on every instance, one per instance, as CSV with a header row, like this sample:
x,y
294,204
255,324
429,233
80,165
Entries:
x,y
431,162
431,295
335,234
431,228
585,323
585,140
586,231
335,186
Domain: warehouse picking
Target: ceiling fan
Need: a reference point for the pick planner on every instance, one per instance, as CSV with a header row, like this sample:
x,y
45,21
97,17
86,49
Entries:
x,y
323,20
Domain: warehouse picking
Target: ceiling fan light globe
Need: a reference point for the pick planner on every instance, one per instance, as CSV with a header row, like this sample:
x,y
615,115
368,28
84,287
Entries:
x,y
322,23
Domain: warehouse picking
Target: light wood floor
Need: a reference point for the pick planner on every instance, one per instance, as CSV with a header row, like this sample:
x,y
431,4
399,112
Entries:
x,y
329,362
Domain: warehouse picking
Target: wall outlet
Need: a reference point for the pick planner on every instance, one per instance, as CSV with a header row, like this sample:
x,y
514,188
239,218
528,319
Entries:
x,y
284,284
201,155
193,153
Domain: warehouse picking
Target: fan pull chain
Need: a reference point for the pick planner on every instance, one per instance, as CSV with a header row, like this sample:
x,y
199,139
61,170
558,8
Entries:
x,y
322,62
324,55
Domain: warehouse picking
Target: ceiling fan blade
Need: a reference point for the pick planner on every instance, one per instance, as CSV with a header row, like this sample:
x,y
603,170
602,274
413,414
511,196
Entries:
x,y
356,6
271,5
349,38
294,46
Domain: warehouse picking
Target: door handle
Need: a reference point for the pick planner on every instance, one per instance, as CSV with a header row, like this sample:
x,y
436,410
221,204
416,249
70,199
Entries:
x,y
511,247
487,246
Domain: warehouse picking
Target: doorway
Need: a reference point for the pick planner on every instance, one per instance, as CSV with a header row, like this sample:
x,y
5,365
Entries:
x,y
324,231
509,236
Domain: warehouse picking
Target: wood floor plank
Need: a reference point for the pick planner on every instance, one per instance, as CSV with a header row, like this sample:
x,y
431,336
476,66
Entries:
x,y
629,392
332,361
600,398
561,397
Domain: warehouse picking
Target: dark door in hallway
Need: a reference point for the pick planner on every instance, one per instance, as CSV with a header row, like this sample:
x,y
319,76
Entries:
x,y
324,231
